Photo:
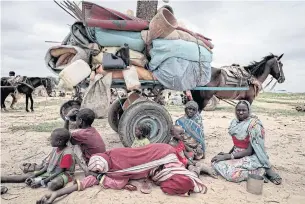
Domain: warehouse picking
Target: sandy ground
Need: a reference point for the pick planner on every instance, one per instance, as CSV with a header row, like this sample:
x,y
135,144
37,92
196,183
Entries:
x,y
24,136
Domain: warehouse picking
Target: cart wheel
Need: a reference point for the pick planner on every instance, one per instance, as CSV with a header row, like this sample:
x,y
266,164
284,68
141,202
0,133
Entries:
x,y
148,112
67,106
211,106
115,112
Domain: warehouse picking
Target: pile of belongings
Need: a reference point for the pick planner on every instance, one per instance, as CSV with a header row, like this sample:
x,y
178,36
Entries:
x,y
131,48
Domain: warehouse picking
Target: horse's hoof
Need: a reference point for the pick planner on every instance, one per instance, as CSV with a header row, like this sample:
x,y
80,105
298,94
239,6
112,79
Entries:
x,y
27,110
32,110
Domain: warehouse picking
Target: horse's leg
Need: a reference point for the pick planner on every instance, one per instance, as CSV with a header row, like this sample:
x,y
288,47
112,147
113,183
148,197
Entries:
x,y
27,102
3,103
14,100
32,102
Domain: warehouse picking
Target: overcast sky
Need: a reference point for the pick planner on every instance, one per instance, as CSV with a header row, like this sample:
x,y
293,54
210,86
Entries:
x,y
241,32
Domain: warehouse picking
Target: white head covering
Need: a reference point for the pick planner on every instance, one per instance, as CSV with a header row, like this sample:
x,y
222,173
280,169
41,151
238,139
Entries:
x,y
98,164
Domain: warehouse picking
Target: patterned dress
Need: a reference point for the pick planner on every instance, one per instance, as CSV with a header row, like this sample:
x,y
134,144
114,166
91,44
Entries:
x,y
245,133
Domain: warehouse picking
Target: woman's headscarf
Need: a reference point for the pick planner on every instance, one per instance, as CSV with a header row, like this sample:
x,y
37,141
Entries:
x,y
240,128
192,104
247,104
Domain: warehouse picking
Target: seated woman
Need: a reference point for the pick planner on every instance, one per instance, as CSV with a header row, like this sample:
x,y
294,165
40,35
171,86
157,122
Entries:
x,y
248,155
191,122
114,168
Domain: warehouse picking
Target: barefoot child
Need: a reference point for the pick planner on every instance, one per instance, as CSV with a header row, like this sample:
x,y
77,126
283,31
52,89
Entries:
x,y
58,170
186,157
86,140
141,133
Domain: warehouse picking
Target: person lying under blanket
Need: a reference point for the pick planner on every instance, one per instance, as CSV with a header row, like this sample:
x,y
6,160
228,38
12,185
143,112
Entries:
x,y
115,168
57,171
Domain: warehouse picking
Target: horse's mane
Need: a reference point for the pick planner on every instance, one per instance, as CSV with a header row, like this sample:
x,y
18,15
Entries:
x,y
261,65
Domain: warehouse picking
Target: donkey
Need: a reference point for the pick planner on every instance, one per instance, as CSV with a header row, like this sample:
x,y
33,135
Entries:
x,y
26,87
270,64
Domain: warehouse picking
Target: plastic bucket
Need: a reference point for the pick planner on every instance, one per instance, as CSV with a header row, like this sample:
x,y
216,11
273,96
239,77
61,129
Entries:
x,y
255,184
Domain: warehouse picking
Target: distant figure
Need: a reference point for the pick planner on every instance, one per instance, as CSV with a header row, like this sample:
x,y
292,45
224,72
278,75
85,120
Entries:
x,y
11,80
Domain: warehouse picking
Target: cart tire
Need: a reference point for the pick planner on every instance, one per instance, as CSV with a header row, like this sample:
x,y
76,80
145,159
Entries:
x,y
114,114
211,106
149,112
67,106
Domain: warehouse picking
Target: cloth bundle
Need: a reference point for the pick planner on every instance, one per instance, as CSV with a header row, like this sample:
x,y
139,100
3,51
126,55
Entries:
x,y
114,38
59,57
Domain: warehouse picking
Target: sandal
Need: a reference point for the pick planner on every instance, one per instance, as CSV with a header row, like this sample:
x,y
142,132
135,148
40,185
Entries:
x,y
130,187
4,190
146,187
273,177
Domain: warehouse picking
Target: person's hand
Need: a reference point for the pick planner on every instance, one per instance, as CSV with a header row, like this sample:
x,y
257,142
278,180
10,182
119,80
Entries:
x,y
35,184
222,157
72,112
47,199
29,180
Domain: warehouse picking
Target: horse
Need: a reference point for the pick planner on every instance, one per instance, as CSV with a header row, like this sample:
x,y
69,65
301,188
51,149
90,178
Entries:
x,y
270,64
26,87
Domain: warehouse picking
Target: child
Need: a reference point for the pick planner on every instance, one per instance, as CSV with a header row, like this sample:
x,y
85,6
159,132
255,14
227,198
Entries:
x,y
58,170
142,131
176,141
185,157
86,139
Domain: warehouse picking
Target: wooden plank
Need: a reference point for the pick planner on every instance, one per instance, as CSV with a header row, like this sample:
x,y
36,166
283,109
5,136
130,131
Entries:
x,y
204,88
116,83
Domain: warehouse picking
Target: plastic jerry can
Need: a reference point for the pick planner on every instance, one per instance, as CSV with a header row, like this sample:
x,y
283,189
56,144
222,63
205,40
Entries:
x,y
75,73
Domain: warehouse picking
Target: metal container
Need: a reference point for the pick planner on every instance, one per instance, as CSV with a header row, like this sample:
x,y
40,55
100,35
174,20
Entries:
x,y
255,184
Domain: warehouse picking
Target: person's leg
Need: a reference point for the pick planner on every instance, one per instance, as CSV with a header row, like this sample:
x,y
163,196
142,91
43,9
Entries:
x,y
57,183
273,176
15,179
80,159
14,100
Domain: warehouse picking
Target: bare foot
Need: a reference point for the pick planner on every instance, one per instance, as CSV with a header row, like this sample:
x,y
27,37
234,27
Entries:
x,y
47,199
206,169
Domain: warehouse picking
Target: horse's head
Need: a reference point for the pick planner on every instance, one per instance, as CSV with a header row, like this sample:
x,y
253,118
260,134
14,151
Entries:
x,y
276,68
47,83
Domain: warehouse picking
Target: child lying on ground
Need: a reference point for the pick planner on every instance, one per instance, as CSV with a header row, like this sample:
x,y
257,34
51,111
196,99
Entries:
x,y
58,170
141,134
186,157
86,139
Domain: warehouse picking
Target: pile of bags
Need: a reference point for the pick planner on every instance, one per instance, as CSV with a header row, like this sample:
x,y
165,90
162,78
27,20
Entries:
x,y
131,48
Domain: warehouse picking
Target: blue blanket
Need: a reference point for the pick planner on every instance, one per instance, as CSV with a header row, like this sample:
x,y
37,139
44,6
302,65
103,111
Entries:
x,y
114,38
164,49
181,75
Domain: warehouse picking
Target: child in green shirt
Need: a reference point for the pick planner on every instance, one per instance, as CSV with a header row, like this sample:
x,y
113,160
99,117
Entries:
x,y
141,134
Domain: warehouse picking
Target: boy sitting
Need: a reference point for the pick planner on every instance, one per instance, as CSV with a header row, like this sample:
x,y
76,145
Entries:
x,y
141,133
57,171
86,139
